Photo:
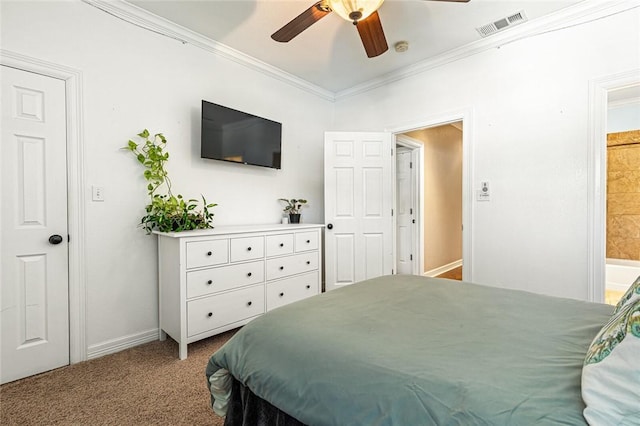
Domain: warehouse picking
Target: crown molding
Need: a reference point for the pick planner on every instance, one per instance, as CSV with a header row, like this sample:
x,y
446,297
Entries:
x,y
147,20
577,14
582,12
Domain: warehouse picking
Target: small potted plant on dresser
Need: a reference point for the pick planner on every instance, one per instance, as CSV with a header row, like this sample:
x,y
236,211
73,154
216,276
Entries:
x,y
293,207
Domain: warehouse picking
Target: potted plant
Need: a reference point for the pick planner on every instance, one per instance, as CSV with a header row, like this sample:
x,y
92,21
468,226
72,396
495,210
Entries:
x,y
166,212
293,207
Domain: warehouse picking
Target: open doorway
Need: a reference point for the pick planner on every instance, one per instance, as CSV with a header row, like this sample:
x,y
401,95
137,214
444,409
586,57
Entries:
x,y
601,91
429,201
622,264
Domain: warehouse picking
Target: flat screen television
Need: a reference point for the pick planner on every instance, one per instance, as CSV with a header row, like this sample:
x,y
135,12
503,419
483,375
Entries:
x,y
239,137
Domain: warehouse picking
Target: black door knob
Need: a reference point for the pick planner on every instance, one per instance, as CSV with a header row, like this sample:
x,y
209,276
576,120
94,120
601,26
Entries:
x,y
55,239
330,226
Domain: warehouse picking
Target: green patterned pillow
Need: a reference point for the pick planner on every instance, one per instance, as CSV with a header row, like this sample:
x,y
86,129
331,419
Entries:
x,y
632,294
611,372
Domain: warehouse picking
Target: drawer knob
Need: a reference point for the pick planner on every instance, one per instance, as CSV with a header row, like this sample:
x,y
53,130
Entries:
x,y
281,294
308,241
209,282
308,286
308,262
210,314
209,253
281,268
249,303
249,274
281,244
248,248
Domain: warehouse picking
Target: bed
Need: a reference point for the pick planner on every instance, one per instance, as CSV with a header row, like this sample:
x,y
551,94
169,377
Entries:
x,y
408,350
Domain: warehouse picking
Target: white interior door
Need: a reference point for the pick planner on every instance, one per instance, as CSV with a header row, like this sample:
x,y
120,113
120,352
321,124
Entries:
x,y
34,250
358,207
405,222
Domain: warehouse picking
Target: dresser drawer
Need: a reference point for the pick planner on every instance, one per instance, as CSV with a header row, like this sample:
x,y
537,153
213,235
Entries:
x,y
290,265
306,241
212,280
291,289
207,253
246,248
279,244
219,310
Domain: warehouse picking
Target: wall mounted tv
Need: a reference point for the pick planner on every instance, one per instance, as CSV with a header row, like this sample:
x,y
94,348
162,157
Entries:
x,y
239,137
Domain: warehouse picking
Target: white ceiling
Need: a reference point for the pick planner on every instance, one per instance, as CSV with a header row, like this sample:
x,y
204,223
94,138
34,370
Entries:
x,y
329,54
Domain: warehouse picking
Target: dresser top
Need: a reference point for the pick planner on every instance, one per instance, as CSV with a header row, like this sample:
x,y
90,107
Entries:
x,y
240,229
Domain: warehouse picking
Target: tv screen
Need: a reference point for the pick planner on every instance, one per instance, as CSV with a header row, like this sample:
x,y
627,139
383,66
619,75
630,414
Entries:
x,y
239,137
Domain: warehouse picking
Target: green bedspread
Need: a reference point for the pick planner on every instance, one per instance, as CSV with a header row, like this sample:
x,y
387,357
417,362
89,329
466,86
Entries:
x,y
407,350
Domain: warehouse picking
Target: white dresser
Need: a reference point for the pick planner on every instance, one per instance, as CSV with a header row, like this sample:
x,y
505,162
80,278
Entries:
x,y
218,279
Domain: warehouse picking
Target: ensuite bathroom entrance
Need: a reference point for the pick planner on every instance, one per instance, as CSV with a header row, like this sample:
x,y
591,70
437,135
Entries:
x,y
623,192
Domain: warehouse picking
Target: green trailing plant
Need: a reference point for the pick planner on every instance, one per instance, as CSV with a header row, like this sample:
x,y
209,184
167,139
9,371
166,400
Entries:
x,y
293,205
166,212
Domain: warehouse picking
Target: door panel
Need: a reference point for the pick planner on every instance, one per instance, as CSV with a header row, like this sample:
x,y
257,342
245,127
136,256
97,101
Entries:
x,y
404,217
358,205
34,288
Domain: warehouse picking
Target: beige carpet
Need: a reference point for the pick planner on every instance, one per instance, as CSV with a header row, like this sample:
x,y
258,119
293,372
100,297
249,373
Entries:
x,y
145,385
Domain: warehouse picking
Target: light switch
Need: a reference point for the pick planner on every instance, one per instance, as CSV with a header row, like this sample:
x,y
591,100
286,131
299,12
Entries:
x,y
97,193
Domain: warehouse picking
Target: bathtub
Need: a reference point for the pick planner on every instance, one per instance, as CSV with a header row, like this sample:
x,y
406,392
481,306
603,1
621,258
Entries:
x,y
621,273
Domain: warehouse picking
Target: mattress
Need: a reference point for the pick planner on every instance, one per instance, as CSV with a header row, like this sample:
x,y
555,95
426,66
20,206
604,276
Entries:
x,y
400,350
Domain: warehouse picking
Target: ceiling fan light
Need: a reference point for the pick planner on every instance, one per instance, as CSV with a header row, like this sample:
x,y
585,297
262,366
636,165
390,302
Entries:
x,y
354,10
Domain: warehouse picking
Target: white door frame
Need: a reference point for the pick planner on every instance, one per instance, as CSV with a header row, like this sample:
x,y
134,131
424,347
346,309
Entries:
x,y
75,185
417,157
597,172
466,116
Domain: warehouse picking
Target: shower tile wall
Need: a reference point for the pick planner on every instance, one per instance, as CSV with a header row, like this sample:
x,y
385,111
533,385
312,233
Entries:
x,y
623,195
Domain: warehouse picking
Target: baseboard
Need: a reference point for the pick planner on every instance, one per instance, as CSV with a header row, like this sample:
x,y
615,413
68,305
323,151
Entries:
x,y
122,343
442,269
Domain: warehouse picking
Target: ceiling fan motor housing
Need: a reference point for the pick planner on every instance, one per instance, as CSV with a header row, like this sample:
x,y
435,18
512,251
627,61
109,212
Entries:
x,y
354,10
355,16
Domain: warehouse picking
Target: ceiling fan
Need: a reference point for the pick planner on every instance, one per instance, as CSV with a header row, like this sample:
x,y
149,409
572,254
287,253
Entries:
x,y
362,13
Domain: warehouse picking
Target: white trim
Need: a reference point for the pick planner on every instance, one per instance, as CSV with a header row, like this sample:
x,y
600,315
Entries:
x,y
145,19
417,156
442,269
75,184
466,116
122,343
597,175
576,14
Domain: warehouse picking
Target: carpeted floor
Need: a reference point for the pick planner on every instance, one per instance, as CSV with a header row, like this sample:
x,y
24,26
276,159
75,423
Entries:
x,y
145,385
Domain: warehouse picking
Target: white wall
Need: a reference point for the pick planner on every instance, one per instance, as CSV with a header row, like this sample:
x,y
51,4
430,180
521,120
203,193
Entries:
x,y
135,79
623,118
529,133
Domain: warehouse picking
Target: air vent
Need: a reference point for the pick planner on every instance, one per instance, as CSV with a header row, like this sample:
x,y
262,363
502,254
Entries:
x,y
501,24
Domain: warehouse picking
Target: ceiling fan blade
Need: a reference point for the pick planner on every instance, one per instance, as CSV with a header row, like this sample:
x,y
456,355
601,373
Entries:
x,y
301,22
372,35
